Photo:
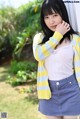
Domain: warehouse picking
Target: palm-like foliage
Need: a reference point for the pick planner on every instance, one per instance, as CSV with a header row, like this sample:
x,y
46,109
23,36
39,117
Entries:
x,y
17,25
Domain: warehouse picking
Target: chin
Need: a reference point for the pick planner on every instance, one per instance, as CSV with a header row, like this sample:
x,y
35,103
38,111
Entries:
x,y
52,30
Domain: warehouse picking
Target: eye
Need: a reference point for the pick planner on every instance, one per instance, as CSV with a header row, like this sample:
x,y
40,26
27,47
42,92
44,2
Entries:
x,y
46,17
54,15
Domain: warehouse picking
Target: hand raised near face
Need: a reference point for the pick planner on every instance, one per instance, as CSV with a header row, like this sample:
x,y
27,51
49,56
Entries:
x,y
63,27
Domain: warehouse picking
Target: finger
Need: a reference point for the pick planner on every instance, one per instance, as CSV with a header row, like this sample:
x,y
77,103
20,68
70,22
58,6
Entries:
x,y
63,22
66,24
68,28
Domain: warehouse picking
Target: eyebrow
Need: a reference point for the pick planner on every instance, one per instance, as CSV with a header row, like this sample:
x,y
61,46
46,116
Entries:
x,y
51,14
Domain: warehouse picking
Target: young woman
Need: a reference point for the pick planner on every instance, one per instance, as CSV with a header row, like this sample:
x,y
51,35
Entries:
x,y
57,51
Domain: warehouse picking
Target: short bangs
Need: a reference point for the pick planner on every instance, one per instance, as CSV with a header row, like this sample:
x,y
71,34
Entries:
x,y
50,7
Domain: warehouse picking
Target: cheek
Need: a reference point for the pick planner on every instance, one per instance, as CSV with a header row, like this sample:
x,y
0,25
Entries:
x,y
46,22
60,20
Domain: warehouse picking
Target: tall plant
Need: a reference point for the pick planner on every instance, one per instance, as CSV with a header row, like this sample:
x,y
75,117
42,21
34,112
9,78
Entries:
x,y
7,27
28,20
18,26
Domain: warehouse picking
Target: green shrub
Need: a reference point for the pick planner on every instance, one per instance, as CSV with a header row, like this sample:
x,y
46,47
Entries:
x,y
20,78
21,71
17,25
22,66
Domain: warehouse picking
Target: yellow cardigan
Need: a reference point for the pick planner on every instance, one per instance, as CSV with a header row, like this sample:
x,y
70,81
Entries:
x,y
41,51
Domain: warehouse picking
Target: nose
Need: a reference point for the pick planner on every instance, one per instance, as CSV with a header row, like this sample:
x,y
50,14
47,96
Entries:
x,y
51,21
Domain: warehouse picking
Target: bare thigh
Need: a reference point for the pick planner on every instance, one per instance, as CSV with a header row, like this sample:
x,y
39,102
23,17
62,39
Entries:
x,y
70,117
54,117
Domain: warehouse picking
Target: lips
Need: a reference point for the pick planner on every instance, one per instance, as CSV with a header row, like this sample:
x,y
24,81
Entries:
x,y
53,26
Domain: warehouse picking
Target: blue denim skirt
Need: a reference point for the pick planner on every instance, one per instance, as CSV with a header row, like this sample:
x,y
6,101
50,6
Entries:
x,y
65,100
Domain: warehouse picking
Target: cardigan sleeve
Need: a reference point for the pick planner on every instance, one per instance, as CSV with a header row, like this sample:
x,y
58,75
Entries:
x,y
41,51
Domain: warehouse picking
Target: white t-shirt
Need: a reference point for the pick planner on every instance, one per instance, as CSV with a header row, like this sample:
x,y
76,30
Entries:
x,y
60,63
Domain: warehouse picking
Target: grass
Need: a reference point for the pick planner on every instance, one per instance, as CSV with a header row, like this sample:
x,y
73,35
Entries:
x,y
17,105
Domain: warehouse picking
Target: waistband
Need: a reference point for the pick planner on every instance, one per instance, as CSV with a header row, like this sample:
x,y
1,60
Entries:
x,y
63,81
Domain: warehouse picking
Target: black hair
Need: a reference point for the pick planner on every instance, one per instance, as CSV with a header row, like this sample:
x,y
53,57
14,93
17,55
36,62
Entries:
x,y
59,7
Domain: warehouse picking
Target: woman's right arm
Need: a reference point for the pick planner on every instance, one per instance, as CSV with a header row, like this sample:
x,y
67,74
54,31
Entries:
x,y
41,51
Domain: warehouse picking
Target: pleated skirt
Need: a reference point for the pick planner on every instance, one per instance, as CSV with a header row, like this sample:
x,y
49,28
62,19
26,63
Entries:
x,y
65,100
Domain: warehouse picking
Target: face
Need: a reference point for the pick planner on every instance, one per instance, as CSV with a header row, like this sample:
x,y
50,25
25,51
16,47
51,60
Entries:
x,y
52,21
